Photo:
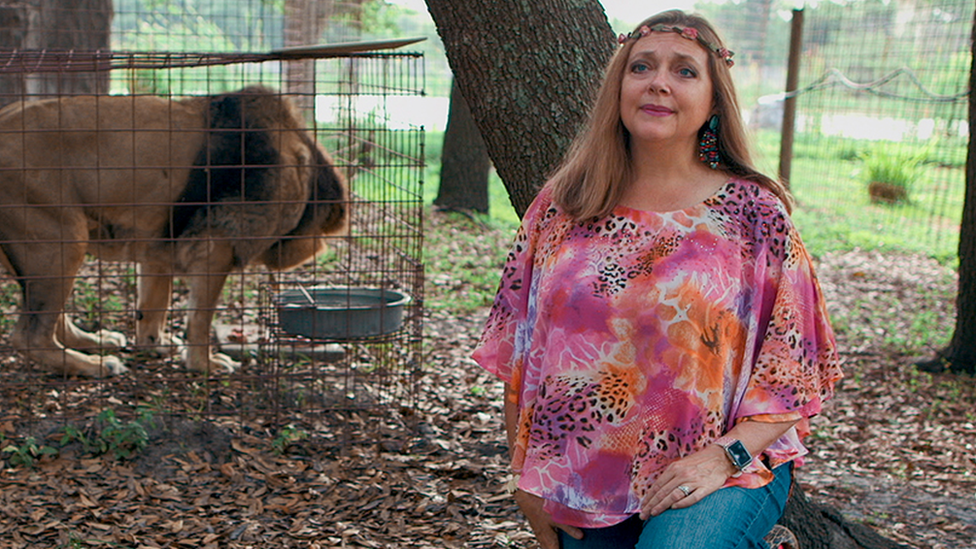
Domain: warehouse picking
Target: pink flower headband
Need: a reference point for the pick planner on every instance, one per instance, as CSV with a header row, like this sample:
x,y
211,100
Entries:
x,y
686,32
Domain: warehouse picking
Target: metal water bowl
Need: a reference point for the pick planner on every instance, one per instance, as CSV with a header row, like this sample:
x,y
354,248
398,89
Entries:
x,y
337,313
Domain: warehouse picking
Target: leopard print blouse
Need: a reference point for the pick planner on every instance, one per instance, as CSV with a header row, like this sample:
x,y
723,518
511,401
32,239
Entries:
x,y
638,338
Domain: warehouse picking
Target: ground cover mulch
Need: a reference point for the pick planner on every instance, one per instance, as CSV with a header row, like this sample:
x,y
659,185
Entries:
x,y
894,449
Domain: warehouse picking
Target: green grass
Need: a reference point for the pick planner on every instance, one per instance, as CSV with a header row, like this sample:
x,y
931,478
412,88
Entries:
x,y
464,256
835,213
500,208
834,210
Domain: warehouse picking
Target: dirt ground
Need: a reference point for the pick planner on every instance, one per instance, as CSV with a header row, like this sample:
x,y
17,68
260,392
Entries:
x,y
894,449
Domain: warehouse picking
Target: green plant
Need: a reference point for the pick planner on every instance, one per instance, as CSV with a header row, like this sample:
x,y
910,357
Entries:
x,y
891,171
122,440
110,435
286,437
94,302
27,453
70,433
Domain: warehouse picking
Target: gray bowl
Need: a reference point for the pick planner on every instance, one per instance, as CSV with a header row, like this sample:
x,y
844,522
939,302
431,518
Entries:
x,y
340,312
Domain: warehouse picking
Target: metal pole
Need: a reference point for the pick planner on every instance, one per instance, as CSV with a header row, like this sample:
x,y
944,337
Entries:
x,y
789,103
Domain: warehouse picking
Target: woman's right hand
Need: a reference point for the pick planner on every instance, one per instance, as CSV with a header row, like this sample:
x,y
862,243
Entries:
x,y
541,522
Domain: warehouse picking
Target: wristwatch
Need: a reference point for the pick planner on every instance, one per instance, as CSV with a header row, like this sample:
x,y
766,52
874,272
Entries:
x,y
736,451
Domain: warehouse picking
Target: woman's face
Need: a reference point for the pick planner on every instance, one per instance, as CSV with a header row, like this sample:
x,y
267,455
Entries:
x,y
666,91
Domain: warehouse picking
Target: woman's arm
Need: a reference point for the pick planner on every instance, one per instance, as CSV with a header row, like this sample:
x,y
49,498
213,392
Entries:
x,y
707,470
531,505
511,417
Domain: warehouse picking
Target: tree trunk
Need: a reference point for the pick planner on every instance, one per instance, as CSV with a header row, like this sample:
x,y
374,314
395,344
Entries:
x,y
14,27
819,527
304,22
86,26
464,160
527,69
960,355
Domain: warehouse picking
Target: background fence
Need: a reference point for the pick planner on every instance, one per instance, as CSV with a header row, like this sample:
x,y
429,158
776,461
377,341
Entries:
x,y
885,87
880,83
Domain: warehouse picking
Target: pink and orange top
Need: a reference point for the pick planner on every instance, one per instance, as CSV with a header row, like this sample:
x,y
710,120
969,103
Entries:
x,y
640,337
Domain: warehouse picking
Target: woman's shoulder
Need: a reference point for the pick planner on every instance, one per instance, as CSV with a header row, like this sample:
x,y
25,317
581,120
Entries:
x,y
754,197
542,201
760,217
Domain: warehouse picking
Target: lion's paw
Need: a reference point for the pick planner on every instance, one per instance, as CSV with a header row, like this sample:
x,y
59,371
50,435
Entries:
x,y
161,346
111,366
219,363
108,339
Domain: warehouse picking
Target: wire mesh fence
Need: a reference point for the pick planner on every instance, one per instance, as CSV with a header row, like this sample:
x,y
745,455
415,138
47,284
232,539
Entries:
x,y
109,175
233,25
882,123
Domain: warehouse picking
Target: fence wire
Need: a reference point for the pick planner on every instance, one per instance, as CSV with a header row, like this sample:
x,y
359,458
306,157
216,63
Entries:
x,y
884,85
348,104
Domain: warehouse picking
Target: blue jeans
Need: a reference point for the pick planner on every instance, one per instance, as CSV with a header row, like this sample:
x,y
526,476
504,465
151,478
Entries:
x,y
730,518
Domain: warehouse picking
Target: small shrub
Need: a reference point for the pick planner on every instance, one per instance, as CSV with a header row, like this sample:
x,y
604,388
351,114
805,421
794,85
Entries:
x,y
109,435
890,172
286,437
27,453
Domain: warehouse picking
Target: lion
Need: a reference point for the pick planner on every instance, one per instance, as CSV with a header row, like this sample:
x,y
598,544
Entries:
x,y
197,188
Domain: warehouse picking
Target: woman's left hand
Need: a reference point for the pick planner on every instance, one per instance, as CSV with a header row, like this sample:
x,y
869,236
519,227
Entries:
x,y
699,474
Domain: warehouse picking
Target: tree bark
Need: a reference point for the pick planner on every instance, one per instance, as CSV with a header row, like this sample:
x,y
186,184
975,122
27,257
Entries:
x,y
528,69
304,22
960,355
464,160
14,27
820,527
85,26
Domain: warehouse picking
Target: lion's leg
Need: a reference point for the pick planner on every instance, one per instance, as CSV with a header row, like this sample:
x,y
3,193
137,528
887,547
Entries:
x,y
74,337
44,296
206,280
155,283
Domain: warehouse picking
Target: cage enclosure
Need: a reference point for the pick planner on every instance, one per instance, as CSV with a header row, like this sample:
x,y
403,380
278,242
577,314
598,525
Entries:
x,y
349,99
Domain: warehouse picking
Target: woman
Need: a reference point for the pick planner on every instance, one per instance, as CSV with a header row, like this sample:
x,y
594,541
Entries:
x,y
658,326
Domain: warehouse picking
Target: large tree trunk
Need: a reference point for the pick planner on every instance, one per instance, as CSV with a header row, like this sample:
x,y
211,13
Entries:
x,y
464,160
960,355
49,25
527,69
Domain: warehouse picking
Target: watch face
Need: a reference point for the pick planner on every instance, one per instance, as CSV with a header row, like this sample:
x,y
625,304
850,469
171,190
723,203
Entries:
x,y
740,456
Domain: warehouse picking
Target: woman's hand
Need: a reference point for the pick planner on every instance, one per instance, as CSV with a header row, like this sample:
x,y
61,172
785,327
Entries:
x,y
700,473
541,522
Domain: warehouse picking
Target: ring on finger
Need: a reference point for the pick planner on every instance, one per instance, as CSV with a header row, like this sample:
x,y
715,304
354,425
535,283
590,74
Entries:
x,y
685,490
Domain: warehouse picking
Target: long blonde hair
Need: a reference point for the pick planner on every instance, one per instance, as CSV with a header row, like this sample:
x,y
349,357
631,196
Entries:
x,y
591,179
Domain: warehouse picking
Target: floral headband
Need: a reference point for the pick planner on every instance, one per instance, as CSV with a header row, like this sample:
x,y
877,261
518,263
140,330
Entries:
x,y
686,32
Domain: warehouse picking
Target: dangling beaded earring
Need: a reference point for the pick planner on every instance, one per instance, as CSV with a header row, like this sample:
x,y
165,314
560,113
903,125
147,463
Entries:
x,y
708,146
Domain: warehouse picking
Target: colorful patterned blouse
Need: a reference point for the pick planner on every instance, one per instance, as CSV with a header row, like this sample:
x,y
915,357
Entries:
x,y
638,338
